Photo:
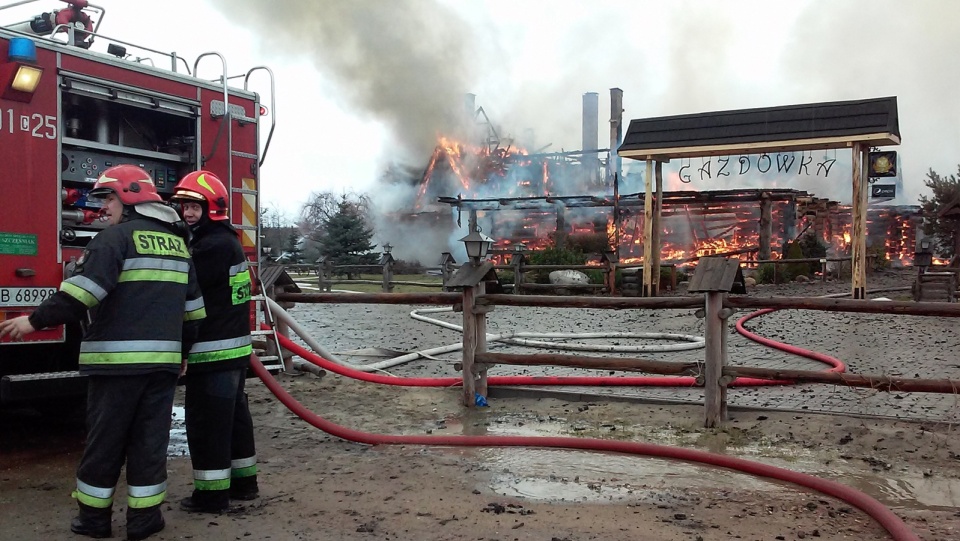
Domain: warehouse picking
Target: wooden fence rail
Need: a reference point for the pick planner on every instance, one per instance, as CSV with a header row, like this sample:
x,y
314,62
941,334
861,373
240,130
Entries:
x,y
712,373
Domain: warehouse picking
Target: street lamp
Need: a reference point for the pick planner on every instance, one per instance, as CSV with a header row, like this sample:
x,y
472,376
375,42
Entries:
x,y
387,247
477,245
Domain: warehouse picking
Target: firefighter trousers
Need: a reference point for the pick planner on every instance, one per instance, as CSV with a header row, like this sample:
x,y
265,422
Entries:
x,y
220,437
128,420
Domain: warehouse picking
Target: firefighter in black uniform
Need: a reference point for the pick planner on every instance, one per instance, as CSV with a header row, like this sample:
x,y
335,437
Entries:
x,y
219,427
137,280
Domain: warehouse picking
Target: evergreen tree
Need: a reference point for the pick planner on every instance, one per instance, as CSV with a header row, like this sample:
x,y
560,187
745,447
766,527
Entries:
x,y
945,231
345,237
294,254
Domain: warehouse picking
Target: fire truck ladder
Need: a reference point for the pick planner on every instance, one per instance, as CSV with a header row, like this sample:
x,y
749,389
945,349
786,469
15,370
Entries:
x,y
266,341
272,360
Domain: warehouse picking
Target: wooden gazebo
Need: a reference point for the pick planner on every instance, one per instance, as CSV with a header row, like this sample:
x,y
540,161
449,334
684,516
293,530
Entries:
x,y
857,125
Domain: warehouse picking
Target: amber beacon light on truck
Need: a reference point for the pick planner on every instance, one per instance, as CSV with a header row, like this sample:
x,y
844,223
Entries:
x,y
20,74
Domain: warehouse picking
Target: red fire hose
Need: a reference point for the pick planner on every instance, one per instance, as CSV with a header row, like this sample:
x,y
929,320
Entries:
x,y
837,364
602,381
886,518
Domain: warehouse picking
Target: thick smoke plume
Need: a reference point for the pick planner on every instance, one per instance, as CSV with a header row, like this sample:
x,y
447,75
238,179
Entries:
x,y
402,62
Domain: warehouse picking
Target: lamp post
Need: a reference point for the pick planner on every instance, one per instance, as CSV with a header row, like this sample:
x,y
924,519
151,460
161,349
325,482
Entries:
x,y
471,278
477,245
387,247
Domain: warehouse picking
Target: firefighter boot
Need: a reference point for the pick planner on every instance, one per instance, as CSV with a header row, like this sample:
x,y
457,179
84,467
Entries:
x,y
142,523
244,488
207,501
92,522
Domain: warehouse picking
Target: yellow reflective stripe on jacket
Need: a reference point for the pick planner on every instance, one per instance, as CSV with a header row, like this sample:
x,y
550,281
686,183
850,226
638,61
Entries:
x,y
84,290
155,269
220,350
130,352
195,315
194,309
154,275
220,355
156,263
137,357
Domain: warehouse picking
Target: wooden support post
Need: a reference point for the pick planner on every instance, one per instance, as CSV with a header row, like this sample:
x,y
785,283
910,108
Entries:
x,y
858,237
481,332
469,346
713,369
655,228
724,335
472,220
647,288
616,212
766,225
610,276
789,225
517,264
560,238
388,275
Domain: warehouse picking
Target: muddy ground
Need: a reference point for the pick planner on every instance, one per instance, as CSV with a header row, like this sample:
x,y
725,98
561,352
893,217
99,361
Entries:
x,y
318,486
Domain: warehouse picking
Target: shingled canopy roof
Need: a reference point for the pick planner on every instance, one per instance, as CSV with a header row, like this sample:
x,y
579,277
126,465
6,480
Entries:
x,y
768,129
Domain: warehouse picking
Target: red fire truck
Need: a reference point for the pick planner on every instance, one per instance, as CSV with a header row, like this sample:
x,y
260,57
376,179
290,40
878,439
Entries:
x,y
67,112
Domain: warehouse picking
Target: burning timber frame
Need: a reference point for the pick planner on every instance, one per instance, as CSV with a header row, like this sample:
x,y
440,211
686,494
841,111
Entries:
x,y
620,203
857,125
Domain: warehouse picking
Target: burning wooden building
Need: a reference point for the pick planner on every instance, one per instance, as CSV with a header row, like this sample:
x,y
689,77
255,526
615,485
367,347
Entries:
x,y
537,198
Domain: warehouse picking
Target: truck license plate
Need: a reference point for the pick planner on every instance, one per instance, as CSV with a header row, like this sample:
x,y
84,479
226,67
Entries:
x,y
24,296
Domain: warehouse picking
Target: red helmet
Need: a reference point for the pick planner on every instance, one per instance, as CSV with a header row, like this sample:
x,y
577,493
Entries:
x,y
132,185
205,187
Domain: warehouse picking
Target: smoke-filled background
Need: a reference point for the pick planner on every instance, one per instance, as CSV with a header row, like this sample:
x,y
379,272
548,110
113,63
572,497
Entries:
x,y
403,63
406,65
365,84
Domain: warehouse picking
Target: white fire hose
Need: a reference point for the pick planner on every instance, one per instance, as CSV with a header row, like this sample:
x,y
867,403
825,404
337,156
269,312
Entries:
x,y
685,341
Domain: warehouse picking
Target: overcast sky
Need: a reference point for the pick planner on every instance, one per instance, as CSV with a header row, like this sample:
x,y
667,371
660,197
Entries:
x,y
362,83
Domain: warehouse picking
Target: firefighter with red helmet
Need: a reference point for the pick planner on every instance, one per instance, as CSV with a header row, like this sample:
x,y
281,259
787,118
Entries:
x,y
219,426
137,281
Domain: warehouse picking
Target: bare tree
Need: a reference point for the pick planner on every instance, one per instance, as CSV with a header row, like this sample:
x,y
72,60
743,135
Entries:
x,y
322,206
275,226
272,216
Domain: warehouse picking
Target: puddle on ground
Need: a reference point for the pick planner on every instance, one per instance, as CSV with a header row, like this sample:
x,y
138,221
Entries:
x,y
912,492
574,475
178,434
